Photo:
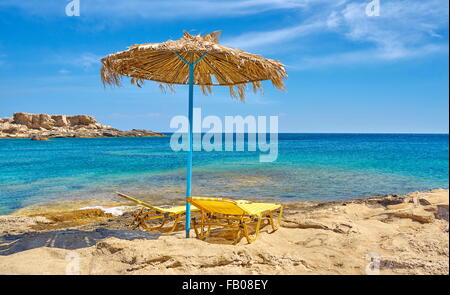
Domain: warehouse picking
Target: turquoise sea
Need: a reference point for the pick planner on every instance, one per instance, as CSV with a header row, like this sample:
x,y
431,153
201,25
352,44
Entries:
x,y
309,167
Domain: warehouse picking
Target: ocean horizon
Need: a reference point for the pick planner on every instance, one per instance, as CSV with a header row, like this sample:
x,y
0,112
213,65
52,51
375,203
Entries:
x,y
309,167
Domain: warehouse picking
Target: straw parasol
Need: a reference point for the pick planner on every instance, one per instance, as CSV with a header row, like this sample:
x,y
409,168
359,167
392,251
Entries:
x,y
192,60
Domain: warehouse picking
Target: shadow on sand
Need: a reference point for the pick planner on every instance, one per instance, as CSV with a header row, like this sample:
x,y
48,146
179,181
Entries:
x,y
66,239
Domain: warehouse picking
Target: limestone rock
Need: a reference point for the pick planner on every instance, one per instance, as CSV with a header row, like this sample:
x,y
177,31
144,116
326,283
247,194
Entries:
x,y
24,125
60,120
39,138
81,120
34,121
23,119
416,214
12,128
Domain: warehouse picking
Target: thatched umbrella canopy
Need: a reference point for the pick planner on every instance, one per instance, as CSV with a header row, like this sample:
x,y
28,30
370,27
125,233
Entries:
x,y
192,60
220,65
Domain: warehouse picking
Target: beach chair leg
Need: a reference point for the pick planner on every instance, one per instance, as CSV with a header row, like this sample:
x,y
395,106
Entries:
x,y
208,232
252,238
199,229
159,227
247,236
136,220
272,223
197,234
270,215
162,223
134,224
238,235
145,227
202,226
280,215
175,223
276,226
204,234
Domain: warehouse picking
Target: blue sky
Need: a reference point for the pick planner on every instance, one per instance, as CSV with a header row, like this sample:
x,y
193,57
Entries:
x,y
348,72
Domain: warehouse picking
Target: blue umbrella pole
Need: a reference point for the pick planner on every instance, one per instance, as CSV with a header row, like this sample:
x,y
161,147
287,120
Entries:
x,y
191,138
189,160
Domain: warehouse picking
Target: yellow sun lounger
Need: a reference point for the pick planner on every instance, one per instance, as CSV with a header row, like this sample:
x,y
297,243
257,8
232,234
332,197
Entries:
x,y
235,214
149,212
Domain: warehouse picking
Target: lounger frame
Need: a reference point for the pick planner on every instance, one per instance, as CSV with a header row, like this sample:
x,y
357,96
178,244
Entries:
x,y
148,213
239,223
143,215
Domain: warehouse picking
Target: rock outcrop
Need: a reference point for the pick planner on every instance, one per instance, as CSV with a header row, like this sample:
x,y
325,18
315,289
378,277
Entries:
x,y
361,236
23,125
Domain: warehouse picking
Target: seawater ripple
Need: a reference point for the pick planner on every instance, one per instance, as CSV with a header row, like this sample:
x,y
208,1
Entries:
x,y
309,167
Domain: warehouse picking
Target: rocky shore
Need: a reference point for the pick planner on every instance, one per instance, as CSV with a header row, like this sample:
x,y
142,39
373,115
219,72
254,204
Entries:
x,y
43,126
394,234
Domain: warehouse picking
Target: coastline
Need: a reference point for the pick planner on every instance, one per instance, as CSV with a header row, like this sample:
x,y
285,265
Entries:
x,y
407,234
309,167
111,200
42,127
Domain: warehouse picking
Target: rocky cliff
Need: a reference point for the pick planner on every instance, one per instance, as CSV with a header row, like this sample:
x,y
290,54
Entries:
x,y
23,125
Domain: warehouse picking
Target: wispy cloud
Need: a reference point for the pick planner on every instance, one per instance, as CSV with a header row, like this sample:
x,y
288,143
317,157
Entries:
x,y
252,40
315,23
402,27
405,29
86,61
370,56
157,8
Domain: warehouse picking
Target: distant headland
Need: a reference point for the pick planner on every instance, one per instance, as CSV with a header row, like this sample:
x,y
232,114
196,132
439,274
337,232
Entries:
x,y
43,126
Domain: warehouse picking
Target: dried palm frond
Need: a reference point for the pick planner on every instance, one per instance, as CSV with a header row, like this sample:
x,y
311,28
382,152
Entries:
x,y
220,65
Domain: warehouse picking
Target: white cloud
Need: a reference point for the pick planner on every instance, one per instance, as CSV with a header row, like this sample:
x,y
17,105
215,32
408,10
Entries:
x,y
365,57
402,26
86,61
404,29
63,71
157,8
253,40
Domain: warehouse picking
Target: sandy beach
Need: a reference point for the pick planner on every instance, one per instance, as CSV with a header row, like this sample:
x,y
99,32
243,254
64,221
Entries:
x,y
404,234
330,118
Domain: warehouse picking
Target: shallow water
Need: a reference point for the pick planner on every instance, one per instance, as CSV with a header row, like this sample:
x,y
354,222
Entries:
x,y
309,167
